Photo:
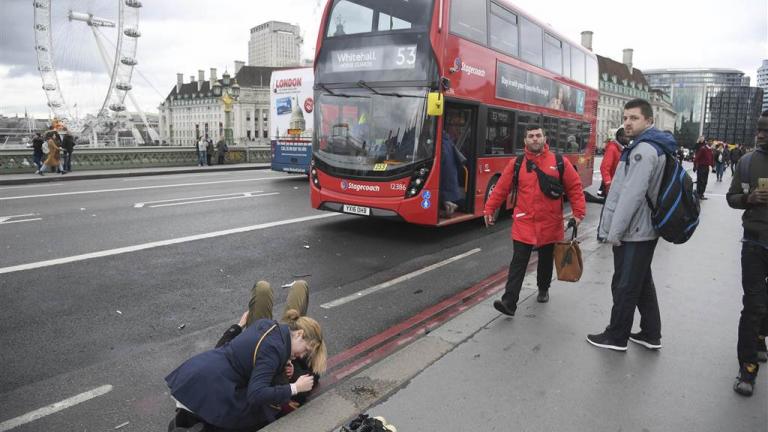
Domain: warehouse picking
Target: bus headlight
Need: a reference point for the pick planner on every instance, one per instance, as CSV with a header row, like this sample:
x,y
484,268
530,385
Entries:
x,y
418,179
313,175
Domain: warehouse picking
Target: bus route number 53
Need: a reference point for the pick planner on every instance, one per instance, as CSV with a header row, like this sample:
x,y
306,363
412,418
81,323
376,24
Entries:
x,y
406,56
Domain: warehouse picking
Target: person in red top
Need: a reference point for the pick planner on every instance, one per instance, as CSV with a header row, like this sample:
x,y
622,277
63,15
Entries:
x,y
537,218
703,160
611,159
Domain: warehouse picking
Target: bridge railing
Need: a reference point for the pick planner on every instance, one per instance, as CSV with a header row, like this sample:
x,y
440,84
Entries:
x,y
21,160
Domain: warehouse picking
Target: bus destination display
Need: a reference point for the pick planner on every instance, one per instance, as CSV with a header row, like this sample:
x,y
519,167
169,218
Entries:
x,y
374,58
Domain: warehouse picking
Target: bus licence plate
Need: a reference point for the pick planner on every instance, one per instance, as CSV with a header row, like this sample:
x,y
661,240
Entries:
x,y
353,209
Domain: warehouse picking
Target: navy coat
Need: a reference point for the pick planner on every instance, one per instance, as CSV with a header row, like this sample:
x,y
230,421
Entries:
x,y
224,388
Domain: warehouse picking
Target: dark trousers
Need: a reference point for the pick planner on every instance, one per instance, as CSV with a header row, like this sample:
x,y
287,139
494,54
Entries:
x,y
522,254
67,156
754,314
37,159
702,176
632,287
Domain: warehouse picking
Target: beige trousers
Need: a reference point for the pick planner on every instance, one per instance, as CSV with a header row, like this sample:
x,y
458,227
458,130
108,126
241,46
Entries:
x,y
262,300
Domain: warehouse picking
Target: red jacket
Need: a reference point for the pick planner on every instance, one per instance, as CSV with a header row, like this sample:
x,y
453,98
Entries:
x,y
610,162
703,157
538,220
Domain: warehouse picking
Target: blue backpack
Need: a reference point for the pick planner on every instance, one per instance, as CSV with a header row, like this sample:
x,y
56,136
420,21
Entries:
x,y
675,214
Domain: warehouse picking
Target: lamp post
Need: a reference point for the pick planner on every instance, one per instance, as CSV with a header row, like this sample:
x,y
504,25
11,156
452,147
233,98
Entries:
x,y
229,91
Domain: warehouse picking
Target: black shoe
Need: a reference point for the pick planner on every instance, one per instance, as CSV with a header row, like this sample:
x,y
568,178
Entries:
x,y
604,341
503,308
703,198
745,382
641,339
543,296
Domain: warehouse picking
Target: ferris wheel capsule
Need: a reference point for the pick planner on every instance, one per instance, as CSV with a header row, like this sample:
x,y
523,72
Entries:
x,y
49,87
40,4
117,107
133,3
124,86
129,61
132,32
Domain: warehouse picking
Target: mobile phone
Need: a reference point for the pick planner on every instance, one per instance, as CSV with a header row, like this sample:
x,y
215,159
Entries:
x,y
762,183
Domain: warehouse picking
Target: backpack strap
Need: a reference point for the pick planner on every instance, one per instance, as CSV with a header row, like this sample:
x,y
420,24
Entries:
x,y
744,168
560,166
516,178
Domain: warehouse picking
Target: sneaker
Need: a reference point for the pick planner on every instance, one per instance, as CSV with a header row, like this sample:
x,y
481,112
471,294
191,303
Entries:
x,y
543,296
745,382
762,351
604,341
641,339
503,308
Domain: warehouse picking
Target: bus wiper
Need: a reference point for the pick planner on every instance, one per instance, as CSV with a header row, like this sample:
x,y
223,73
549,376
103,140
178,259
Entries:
x,y
327,90
363,84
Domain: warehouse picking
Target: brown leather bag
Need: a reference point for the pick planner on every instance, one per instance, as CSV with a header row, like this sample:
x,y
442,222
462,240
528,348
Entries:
x,y
567,257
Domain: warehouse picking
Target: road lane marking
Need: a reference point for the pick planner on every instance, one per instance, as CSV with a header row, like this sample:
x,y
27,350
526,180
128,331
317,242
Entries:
x,y
234,194
7,219
54,408
168,176
405,277
142,188
151,245
244,195
2,222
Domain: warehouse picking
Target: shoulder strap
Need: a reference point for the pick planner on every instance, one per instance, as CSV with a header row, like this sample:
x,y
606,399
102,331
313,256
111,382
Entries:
x,y
560,165
515,178
256,351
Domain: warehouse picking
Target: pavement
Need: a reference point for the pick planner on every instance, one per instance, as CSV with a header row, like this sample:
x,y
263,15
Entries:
x,y
483,371
30,178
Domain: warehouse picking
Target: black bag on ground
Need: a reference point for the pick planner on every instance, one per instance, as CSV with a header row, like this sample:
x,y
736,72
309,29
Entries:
x,y
675,214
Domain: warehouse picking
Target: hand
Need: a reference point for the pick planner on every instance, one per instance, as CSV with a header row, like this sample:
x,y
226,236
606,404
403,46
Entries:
x,y
613,240
305,383
758,196
578,220
243,319
289,370
489,220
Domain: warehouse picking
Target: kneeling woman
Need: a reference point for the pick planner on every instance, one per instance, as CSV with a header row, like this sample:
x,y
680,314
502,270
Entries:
x,y
231,387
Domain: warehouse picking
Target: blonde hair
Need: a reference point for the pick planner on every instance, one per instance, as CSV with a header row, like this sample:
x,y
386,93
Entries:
x,y
313,334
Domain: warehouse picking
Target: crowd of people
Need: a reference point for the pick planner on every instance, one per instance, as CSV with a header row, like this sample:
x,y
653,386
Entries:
x,y
52,152
716,157
206,149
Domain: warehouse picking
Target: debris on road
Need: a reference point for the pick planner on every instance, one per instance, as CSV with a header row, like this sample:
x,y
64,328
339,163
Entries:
x,y
121,425
181,327
118,312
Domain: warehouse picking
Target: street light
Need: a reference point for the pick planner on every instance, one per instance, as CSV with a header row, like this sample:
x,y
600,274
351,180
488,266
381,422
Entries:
x,y
229,91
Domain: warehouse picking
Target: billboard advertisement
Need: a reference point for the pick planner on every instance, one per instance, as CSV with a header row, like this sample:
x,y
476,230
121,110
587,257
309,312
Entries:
x,y
291,103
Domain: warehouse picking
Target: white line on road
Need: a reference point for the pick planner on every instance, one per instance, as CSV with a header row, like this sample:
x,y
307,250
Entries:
x,y
239,194
5,222
397,280
15,216
245,195
53,408
128,249
142,188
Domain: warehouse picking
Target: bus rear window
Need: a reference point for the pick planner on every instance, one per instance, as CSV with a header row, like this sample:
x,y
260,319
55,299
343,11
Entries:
x,y
350,17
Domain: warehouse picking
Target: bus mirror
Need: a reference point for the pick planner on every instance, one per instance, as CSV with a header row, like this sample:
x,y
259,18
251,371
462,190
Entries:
x,y
435,104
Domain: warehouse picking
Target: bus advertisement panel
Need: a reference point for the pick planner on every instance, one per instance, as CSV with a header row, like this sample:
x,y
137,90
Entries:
x,y
292,105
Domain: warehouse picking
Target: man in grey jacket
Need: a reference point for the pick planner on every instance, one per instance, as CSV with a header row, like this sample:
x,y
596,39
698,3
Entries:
x,y
626,224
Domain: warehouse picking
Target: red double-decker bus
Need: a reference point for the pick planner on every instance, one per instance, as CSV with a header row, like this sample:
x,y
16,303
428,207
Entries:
x,y
399,81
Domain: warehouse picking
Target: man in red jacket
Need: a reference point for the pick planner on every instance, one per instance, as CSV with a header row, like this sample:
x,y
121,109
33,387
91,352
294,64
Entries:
x,y
703,160
537,218
611,159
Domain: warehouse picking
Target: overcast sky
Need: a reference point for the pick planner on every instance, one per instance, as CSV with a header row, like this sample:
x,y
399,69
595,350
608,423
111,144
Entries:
x,y
187,35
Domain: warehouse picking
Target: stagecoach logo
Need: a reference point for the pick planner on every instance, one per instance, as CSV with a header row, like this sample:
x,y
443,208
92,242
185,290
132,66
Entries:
x,y
459,65
345,185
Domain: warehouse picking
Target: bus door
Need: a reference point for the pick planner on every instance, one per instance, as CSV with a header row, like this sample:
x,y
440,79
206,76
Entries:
x,y
459,131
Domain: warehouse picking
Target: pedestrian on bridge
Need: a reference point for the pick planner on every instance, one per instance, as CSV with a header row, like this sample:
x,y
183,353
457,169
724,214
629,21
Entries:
x,y
703,161
749,191
610,161
539,179
37,151
202,154
208,150
626,224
